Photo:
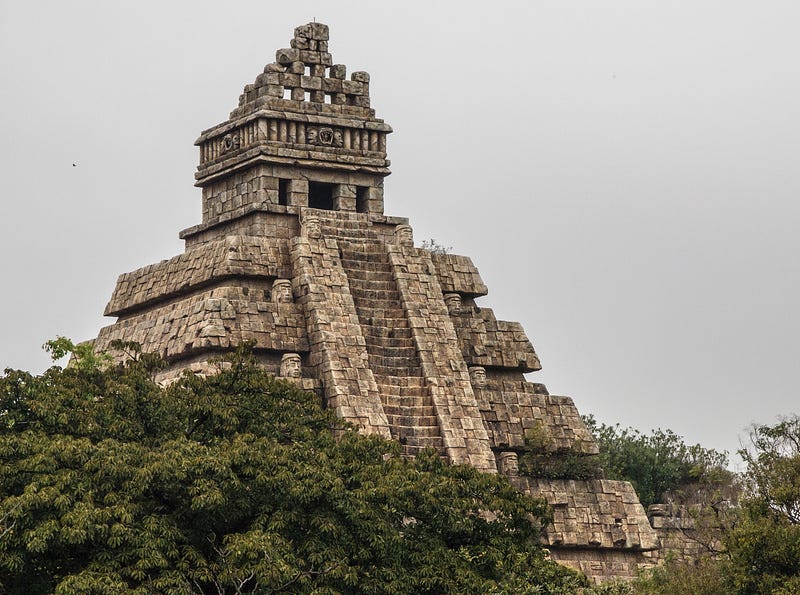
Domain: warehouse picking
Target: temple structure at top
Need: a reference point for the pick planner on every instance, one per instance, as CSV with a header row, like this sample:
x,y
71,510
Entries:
x,y
304,135
295,252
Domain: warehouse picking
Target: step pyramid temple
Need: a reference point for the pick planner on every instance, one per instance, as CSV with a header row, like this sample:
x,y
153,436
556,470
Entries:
x,y
294,251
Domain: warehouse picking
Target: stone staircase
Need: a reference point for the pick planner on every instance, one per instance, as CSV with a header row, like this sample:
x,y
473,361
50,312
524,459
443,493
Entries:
x,y
390,346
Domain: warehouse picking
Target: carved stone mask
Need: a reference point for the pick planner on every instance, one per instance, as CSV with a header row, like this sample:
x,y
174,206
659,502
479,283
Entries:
x,y
477,376
311,136
230,142
509,463
312,227
404,235
453,301
326,136
291,366
282,291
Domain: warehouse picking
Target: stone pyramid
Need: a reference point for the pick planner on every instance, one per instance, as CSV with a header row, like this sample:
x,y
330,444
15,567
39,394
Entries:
x,y
295,252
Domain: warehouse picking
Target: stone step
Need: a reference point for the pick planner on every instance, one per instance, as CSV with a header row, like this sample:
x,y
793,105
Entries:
x,y
392,346
412,452
379,303
375,294
358,275
402,390
349,234
386,310
381,353
362,243
356,238
366,231
379,326
399,348
398,360
371,285
421,442
386,334
391,342
369,271
387,327
356,249
404,371
392,307
410,419
402,386
365,261
369,275
414,430
406,397
407,381
414,410
381,317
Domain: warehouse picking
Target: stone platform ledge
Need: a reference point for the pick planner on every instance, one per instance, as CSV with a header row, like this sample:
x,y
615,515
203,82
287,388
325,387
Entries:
x,y
313,118
265,153
265,207
308,107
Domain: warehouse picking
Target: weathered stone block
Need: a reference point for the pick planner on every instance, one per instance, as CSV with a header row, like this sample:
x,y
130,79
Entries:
x,y
288,55
310,57
352,87
311,82
337,71
332,85
319,31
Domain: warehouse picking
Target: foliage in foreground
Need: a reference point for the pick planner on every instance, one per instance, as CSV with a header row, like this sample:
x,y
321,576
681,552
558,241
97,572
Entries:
x,y
541,458
656,464
235,483
761,549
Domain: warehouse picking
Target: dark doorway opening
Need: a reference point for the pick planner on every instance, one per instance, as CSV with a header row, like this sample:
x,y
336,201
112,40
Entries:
x,y
320,195
283,192
362,194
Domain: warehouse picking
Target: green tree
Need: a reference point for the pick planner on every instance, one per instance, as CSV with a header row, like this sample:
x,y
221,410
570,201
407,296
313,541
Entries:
x,y
764,548
657,463
761,549
238,483
433,245
541,458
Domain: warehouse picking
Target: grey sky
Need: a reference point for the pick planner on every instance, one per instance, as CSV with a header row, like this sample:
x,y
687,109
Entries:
x,y
624,174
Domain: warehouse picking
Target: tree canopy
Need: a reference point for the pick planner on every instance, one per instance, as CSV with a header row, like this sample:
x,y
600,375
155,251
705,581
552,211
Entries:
x,y
238,483
657,463
760,552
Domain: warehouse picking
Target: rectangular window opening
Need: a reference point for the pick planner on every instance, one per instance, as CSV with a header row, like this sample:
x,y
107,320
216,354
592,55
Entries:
x,y
320,195
362,195
287,93
283,192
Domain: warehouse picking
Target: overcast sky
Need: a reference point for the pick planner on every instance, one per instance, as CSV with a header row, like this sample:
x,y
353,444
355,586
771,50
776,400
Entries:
x,y
623,174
